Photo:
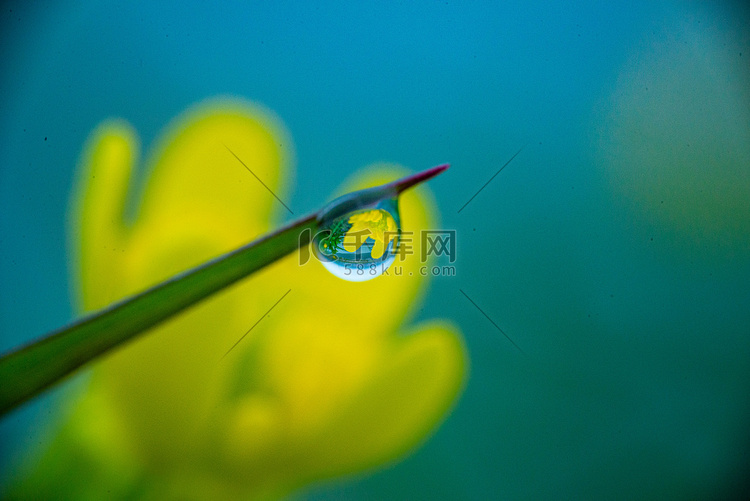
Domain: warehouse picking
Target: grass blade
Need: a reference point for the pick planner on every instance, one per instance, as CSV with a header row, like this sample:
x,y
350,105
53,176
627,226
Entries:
x,y
29,370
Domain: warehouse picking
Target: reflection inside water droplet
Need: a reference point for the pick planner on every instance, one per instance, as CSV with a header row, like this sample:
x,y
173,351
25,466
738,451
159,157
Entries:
x,y
360,245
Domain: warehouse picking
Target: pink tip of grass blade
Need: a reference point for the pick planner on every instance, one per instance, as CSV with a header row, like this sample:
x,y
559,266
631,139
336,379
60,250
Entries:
x,y
407,182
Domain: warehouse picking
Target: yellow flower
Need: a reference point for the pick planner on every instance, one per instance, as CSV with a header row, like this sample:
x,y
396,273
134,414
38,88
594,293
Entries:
x,y
320,386
376,224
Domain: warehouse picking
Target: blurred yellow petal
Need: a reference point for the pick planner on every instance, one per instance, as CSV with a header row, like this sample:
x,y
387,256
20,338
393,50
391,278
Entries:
x,y
103,180
186,219
419,378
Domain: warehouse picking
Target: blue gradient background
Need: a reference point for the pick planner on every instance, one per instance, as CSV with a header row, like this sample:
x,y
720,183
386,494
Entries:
x,y
636,384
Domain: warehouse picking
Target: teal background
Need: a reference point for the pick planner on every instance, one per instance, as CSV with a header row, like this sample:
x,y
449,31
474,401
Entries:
x,y
631,303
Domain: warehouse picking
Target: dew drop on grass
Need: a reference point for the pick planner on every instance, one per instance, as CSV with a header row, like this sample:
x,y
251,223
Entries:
x,y
361,244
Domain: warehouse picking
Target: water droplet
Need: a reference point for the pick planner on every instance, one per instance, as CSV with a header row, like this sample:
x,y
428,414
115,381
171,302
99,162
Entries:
x,y
360,244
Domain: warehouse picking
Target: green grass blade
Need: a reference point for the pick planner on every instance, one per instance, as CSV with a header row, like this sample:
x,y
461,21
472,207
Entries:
x,y
27,371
